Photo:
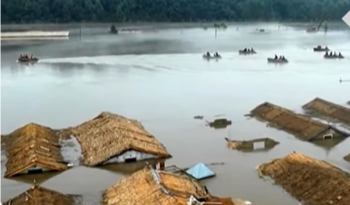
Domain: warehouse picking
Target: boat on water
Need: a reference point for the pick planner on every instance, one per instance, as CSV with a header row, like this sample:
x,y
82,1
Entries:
x,y
333,56
208,56
277,60
247,52
26,59
320,49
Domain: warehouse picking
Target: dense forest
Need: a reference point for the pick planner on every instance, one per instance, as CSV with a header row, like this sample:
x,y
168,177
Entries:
x,y
60,11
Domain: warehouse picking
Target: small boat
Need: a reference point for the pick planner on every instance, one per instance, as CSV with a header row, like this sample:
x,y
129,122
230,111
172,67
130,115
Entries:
x,y
211,57
333,56
278,60
250,52
319,48
27,60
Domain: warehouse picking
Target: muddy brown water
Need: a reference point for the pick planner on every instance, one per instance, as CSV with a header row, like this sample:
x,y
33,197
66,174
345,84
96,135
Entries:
x,y
161,79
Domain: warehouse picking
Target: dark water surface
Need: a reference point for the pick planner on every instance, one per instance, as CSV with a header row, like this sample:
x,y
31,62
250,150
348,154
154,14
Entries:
x,y
160,79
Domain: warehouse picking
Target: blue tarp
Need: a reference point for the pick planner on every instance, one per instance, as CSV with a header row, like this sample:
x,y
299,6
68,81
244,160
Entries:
x,y
200,171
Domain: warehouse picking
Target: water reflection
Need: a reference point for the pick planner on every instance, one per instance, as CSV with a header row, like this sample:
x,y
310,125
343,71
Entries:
x,y
38,178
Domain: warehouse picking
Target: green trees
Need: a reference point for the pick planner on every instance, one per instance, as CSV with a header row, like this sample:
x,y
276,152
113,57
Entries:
x,y
60,11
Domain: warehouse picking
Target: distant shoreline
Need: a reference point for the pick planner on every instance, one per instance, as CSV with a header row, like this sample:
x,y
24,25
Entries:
x,y
157,25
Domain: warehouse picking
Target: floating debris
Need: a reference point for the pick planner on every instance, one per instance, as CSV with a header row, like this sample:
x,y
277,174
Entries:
x,y
200,171
40,196
111,138
198,117
298,125
329,110
150,186
32,149
305,177
260,144
220,123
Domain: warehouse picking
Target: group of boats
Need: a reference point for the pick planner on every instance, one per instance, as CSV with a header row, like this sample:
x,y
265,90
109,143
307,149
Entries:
x,y
247,51
329,54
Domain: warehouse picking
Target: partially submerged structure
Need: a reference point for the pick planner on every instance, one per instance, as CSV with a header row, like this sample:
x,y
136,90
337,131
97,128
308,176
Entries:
x,y
347,157
150,186
309,180
260,144
329,110
37,195
298,125
200,171
33,148
111,138
220,123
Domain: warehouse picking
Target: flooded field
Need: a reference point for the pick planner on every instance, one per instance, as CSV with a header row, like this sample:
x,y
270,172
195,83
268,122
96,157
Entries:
x,y
160,79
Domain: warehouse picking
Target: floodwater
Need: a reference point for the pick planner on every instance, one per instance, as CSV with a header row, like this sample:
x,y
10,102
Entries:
x,y
160,79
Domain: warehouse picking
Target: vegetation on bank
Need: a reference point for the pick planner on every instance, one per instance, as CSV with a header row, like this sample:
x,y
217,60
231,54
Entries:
x,y
64,11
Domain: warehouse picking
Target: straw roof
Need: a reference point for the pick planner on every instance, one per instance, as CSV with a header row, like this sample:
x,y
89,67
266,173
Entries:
x,y
149,186
37,195
301,126
329,109
109,135
33,145
309,180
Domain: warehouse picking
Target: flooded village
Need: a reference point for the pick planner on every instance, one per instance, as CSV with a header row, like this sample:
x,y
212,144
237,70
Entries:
x,y
131,135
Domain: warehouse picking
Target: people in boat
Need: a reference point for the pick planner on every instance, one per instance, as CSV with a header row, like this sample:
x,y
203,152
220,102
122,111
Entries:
x,y
208,54
248,50
245,50
283,58
252,50
331,53
319,46
340,55
276,57
326,48
216,54
327,54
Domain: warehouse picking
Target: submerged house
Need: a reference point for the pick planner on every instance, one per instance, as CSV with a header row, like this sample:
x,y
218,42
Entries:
x,y
40,196
329,110
298,125
309,180
111,138
150,186
33,148
255,145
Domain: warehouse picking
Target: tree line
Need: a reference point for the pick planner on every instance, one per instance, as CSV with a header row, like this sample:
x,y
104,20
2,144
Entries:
x,y
64,11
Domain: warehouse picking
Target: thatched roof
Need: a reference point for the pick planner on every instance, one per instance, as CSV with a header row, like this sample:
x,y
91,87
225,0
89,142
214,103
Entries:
x,y
149,186
347,157
329,109
37,195
309,180
301,126
109,135
33,145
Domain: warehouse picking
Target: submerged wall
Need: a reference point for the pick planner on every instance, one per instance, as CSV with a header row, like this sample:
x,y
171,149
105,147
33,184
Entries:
x,y
131,155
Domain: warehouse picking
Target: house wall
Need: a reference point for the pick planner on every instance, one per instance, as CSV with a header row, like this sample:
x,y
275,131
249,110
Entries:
x,y
330,131
35,169
132,154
